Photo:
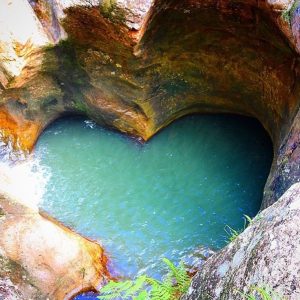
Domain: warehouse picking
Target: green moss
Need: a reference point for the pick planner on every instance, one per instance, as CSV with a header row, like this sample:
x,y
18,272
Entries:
x,y
62,64
288,13
2,213
107,6
80,107
110,10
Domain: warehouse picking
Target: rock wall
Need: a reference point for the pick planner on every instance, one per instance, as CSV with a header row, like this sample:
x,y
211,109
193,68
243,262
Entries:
x,y
17,40
267,253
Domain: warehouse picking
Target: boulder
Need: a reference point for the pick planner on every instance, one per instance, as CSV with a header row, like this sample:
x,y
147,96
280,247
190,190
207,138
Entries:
x,y
267,254
42,259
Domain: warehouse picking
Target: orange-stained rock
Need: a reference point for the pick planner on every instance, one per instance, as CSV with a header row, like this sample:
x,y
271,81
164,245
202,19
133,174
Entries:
x,y
22,133
55,262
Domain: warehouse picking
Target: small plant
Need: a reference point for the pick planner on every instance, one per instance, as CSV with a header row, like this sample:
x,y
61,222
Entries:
x,y
232,233
107,7
143,287
247,221
262,293
288,13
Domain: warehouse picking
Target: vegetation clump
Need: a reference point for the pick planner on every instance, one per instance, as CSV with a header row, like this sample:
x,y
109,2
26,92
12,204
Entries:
x,y
288,13
110,10
175,284
233,233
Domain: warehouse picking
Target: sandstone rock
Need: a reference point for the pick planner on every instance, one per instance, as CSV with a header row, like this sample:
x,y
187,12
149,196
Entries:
x,y
41,259
135,12
267,253
295,25
20,33
280,5
15,282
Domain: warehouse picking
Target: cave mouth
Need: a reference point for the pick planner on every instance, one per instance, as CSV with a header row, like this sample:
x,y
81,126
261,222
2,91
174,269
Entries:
x,y
164,198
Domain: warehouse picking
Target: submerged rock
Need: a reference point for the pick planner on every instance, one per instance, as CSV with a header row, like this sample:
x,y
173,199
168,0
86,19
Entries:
x,y
42,259
267,253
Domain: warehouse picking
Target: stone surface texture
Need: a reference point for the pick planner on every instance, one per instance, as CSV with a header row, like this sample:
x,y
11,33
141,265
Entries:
x,y
267,253
137,65
41,259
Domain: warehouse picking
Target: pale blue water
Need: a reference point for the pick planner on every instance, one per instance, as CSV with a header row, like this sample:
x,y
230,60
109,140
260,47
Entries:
x,y
160,199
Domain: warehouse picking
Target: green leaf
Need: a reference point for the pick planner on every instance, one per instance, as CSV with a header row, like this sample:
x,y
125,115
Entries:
x,y
137,286
176,283
248,221
142,296
232,233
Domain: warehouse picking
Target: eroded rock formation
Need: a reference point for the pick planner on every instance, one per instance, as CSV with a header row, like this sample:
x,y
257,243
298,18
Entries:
x,y
267,253
136,66
41,259
211,56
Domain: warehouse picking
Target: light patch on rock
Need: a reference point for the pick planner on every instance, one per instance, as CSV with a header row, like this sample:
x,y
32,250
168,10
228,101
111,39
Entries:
x,y
274,245
223,269
20,33
30,185
238,258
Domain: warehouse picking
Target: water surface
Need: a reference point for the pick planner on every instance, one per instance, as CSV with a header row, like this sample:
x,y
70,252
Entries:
x,y
164,198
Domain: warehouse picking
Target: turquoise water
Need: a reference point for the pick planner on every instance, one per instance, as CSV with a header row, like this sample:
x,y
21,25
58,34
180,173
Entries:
x,y
164,198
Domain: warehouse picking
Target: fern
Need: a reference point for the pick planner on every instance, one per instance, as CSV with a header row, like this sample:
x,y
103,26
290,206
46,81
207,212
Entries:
x,y
179,274
172,287
124,289
161,290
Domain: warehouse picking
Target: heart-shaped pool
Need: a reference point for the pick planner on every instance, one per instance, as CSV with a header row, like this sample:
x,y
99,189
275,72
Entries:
x,y
160,199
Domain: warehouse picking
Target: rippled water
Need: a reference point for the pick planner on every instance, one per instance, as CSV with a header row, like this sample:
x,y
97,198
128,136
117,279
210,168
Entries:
x,y
160,199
